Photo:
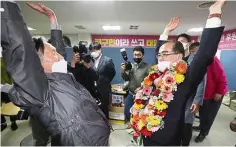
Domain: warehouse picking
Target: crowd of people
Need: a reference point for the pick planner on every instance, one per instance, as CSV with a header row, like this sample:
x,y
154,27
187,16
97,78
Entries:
x,y
62,97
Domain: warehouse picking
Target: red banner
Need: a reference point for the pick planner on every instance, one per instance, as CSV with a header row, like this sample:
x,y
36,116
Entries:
x,y
129,40
228,40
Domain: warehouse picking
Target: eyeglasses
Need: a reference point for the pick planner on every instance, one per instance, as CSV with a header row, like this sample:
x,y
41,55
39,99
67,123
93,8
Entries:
x,y
164,55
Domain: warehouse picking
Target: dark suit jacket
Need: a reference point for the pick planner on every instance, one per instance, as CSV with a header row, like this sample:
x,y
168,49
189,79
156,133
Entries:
x,y
86,77
106,72
174,119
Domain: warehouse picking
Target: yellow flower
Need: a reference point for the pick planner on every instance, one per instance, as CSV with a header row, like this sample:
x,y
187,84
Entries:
x,y
131,120
179,78
140,124
160,105
154,67
149,127
138,106
154,121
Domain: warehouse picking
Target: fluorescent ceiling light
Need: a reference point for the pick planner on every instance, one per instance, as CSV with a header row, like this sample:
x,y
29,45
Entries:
x,y
31,29
111,28
195,30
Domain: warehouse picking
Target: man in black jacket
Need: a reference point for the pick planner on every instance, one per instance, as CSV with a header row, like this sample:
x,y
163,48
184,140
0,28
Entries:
x,y
171,52
43,87
83,70
106,71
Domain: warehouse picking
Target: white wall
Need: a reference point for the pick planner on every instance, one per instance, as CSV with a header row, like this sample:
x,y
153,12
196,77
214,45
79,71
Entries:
x,y
74,38
85,37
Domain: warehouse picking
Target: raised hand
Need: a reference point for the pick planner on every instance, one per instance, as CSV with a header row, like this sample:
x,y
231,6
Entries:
x,y
217,7
44,10
75,59
173,24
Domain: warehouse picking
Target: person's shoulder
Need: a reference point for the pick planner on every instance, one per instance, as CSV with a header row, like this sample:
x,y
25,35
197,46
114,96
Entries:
x,y
146,64
107,58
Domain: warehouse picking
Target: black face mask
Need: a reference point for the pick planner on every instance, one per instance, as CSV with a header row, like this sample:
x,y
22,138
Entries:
x,y
138,60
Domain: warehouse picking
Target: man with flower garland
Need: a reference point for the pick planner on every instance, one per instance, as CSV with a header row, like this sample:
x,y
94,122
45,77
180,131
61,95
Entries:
x,y
158,111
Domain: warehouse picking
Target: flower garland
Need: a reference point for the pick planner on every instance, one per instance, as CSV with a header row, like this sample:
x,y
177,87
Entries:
x,y
153,97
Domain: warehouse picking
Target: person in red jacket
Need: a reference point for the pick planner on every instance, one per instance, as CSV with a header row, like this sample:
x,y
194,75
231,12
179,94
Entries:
x,y
215,89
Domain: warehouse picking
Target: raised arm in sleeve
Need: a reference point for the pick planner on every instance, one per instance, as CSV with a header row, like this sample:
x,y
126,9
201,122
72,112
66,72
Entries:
x,y
21,59
208,46
57,41
125,76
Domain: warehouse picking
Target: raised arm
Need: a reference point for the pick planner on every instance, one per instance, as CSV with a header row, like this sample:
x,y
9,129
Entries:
x,y
56,33
208,45
21,59
171,26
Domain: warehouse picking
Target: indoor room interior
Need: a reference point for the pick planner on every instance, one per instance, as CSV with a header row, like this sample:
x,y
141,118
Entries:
x,y
126,24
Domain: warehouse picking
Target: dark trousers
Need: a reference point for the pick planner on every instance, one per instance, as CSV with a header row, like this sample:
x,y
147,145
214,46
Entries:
x,y
5,98
104,98
186,134
12,119
207,113
128,104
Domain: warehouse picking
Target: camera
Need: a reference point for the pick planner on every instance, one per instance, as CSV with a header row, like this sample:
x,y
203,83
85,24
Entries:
x,y
128,65
81,49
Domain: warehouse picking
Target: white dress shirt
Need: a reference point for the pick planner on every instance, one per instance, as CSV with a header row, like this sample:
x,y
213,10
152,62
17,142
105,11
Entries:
x,y
96,61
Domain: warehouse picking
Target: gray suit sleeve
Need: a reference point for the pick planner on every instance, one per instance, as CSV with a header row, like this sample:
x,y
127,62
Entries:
x,y
198,99
125,76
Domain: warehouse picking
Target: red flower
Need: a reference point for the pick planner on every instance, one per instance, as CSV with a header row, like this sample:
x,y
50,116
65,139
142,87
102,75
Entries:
x,y
181,67
145,132
138,101
136,135
153,76
165,71
156,92
162,113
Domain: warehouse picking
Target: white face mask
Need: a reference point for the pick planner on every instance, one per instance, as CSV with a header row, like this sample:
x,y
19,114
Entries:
x,y
60,66
185,45
96,54
162,65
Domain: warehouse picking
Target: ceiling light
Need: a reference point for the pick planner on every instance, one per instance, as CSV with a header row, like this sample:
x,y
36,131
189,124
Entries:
x,y
111,28
80,27
133,27
31,29
195,30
